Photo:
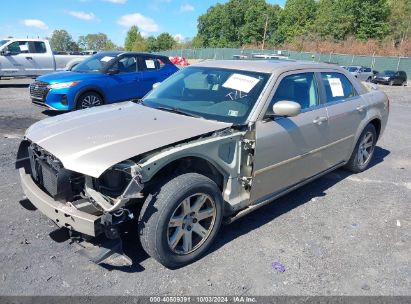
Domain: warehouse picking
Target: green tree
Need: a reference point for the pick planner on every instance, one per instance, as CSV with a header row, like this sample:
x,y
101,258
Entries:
x,y
152,44
297,19
324,22
363,19
131,38
372,19
400,20
61,40
135,41
165,42
236,23
97,42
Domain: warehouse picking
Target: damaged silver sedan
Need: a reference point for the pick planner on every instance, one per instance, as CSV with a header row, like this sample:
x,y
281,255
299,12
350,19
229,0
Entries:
x,y
210,144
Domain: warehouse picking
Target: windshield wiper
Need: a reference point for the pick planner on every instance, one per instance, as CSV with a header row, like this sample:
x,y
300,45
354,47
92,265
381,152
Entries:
x,y
178,111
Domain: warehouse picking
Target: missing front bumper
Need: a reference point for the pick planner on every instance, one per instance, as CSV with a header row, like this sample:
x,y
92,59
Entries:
x,y
60,213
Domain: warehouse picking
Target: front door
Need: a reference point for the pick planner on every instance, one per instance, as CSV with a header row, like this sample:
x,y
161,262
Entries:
x,y
125,85
14,63
291,149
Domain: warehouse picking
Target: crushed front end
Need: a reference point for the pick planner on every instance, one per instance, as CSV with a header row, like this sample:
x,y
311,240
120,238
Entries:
x,y
85,205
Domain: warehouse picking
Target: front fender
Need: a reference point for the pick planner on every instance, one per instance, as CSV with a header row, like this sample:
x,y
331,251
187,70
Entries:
x,y
222,151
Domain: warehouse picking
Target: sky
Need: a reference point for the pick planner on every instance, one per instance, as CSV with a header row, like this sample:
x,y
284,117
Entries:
x,y
38,18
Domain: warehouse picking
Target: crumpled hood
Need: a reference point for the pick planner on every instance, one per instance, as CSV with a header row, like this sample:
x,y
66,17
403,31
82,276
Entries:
x,y
91,141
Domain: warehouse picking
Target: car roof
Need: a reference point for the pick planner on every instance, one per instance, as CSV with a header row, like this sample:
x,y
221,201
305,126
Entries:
x,y
25,39
265,66
119,53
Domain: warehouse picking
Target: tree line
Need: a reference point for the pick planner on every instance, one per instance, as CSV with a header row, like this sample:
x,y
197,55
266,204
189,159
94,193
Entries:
x,y
255,22
61,40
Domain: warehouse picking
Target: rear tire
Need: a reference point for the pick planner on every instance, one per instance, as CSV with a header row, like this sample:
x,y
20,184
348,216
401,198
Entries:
x,y
391,83
89,100
404,84
180,219
363,151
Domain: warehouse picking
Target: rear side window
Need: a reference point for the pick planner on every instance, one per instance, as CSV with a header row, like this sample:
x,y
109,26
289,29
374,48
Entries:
x,y
300,88
38,47
151,63
337,87
367,70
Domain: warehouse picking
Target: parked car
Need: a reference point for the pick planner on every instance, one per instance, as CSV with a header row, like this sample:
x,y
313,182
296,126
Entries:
x,y
391,78
104,78
212,143
32,57
362,73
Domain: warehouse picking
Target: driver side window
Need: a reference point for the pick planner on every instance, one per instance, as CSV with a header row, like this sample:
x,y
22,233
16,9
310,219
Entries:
x,y
18,47
127,64
300,88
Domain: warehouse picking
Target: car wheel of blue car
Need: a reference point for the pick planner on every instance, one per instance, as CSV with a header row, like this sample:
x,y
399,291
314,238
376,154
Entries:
x,y
89,100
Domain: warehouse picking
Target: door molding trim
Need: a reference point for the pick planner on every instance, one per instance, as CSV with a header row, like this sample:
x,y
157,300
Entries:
x,y
284,162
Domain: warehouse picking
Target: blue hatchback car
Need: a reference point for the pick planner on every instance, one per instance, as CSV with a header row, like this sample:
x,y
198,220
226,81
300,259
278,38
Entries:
x,y
104,78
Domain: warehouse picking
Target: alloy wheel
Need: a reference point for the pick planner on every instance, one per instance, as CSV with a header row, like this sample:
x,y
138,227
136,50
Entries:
x,y
366,149
90,101
191,223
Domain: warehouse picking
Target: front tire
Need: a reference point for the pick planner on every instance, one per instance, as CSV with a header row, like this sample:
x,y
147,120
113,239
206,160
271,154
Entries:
x,y
391,83
89,100
363,151
180,219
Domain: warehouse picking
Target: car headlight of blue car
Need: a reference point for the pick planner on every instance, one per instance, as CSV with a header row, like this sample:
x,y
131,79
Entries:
x,y
63,85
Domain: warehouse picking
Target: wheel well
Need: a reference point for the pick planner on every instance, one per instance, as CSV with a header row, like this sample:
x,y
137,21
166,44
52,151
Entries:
x,y
377,125
186,165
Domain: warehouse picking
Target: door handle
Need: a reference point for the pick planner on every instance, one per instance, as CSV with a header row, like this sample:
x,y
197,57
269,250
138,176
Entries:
x,y
361,108
320,120
29,58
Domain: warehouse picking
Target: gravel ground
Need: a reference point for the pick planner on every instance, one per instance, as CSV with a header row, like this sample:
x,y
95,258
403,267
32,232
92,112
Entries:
x,y
340,235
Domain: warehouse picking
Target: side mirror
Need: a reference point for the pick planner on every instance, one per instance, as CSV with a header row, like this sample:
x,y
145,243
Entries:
x,y
5,52
155,85
113,71
286,108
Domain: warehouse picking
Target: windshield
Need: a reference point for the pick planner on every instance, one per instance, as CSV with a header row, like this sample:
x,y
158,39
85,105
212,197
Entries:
x,y
389,73
212,93
352,69
3,42
94,64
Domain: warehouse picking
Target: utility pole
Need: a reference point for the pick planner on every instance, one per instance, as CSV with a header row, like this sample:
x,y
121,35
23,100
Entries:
x,y
265,31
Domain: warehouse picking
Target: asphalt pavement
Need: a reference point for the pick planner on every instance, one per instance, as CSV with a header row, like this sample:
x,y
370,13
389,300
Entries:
x,y
343,234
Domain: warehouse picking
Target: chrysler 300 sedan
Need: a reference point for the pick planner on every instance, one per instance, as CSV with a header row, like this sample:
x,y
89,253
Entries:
x,y
210,144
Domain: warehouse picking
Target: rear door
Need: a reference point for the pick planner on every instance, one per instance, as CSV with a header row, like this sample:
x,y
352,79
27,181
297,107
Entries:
x,y
346,109
152,70
291,149
39,61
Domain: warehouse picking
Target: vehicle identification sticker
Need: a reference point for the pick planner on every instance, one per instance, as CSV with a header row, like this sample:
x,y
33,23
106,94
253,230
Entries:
x,y
23,48
336,87
106,58
150,64
241,83
232,113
